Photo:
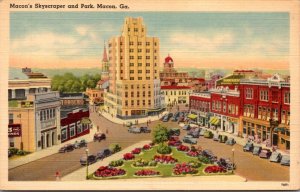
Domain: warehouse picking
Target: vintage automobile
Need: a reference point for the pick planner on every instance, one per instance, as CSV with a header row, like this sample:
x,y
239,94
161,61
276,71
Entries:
x,y
223,138
248,147
230,141
256,150
99,137
181,119
166,118
10,154
134,129
189,139
174,141
226,164
194,132
128,124
144,129
174,131
103,153
209,154
170,115
90,159
208,134
216,137
66,148
202,132
80,144
186,127
275,157
285,160
265,153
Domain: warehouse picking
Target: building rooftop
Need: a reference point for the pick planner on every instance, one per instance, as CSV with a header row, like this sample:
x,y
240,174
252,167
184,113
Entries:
x,y
64,110
24,74
174,87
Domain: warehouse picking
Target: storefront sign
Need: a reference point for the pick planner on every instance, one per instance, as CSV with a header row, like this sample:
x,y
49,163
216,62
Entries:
x,y
14,130
26,104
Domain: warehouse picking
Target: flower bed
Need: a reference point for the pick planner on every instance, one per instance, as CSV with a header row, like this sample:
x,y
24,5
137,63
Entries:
x,y
164,149
147,147
128,156
183,148
194,164
183,169
146,172
106,171
144,163
136,151
192,153
165,159
214,169
116,163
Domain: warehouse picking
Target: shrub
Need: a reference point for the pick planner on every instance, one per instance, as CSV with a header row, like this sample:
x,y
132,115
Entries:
x,y
115,148
21,152
164,149
192,153
184,168
140,163
116,163
146,147
194,164
204,159
128,156
13,150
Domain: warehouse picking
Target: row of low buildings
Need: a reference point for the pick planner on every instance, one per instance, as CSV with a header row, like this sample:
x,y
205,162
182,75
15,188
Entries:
x,y
40,118
247,106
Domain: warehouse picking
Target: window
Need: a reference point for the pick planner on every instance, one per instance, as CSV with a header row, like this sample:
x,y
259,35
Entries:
x,y
132,94
72,130
126,103
139,64
11,118
140,43
147,71
213,105
264,95
259,112
140,78
147,50
275,114
144,94
79,127
131,57
64,133
249,93
224,107
126,94
138,102
131,50
283,116
136,29
149,102
131,43
138,94
147,43
131,71
128,29
144,103
149,93
147,64
132,102
131,64
147,78
131,78
287,97
139,50
140,57
147,57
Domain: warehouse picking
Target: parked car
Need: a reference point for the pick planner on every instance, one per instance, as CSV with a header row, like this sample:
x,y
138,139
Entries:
x,y
166,118
202,131
174,131
208,134
128,124
10,153
230,141
103,153
195,134
170,115
256,150
209,154
67,148
174,141
80,144
181,119
133,129
276,157
90,159
223,138
265,153
226,164
193,130
145,130
186,127
248,147
285,160
216,137
189,139
99,137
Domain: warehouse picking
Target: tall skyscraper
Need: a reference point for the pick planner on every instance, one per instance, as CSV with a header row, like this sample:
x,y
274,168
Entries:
x,y
134,83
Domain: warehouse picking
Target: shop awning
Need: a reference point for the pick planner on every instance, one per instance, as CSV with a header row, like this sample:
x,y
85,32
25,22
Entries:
x,y
86,121
192,116
212,119
217,122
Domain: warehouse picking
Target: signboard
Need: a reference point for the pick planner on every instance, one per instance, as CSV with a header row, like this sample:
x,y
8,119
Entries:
x,y
26,104
14,130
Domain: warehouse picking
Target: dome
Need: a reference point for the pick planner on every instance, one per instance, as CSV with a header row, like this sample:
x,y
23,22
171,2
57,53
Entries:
x,y
168,59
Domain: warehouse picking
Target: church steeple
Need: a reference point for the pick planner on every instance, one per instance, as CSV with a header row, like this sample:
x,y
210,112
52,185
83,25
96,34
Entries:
x,y
104,57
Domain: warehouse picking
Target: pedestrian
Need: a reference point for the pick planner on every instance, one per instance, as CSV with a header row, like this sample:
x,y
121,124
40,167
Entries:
x,y
106,131
123,124
147,123
57,176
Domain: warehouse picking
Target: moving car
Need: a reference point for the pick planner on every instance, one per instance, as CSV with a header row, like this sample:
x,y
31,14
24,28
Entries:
x,y
66,148
80,144
133,129
216,137
285,160
90,159
256,150
103,153
174,131
248,147
99,137
265,153
275,157
186,127
189,139
145,130
230,141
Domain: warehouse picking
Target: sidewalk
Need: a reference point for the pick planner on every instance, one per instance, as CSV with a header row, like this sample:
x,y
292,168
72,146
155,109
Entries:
x,y
12,163
80,174
140,120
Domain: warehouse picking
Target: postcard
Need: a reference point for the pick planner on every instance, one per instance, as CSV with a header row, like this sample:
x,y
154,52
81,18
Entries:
x,y
150,95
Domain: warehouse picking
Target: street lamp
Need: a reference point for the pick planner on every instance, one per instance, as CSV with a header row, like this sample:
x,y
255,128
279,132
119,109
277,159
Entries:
x,y
232,159
87,163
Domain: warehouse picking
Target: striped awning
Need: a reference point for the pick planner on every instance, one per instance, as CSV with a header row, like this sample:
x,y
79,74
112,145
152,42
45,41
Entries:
x,y
214,120
192,116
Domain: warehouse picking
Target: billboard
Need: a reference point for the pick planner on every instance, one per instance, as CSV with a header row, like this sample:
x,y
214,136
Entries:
x,y
14,130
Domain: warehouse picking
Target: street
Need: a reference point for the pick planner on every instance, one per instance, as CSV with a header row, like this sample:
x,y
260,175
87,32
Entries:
x,y
251,167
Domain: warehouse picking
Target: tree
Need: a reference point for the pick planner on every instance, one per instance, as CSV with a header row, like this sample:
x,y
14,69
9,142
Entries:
x,y
160,134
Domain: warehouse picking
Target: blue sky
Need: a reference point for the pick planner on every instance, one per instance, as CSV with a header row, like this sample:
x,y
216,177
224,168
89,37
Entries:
x,y
197,39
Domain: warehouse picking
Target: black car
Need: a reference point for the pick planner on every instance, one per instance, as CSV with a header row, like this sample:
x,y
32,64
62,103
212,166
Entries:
x,y
67,148
174,131
226,164
103,153
209,154
80,144
170,115
248,147
90,160
99,136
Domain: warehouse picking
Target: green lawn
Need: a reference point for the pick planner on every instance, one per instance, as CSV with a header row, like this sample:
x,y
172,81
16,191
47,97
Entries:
x,y
166,170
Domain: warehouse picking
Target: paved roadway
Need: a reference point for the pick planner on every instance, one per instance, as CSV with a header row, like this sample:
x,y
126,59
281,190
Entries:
x,y
251,167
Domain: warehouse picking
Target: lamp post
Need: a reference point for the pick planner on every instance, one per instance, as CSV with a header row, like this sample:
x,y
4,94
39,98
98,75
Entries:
x,y
87,163
232,159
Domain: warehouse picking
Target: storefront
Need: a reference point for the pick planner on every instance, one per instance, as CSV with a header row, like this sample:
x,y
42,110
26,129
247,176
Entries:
x,y
232,125
215,122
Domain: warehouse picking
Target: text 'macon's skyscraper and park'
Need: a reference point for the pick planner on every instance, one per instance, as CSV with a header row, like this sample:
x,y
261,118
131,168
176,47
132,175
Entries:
x,y
134,83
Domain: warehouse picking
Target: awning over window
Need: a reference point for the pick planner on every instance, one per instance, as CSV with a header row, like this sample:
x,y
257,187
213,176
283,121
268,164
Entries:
x,y
214,120
86,121
192,116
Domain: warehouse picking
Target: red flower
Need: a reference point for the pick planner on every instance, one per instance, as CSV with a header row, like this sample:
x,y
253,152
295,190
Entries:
x,y
128,156
105,171
136,151
146,147
146,172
